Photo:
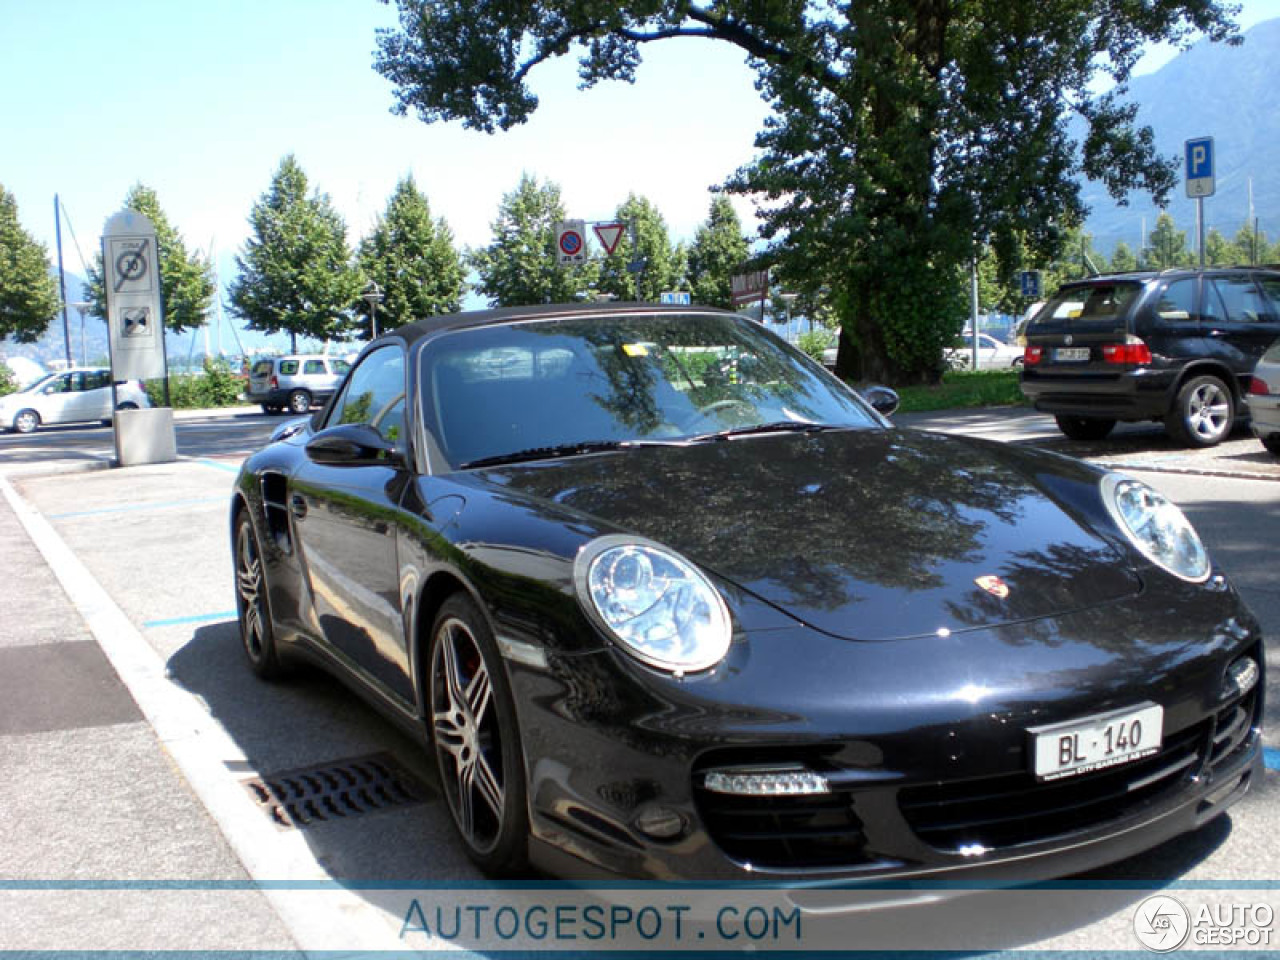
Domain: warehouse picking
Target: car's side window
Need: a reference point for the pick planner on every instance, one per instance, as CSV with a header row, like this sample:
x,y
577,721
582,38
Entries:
x,y
374,394
1242,299
1177,303
1271,287
97,380
314,367
288,368
61,384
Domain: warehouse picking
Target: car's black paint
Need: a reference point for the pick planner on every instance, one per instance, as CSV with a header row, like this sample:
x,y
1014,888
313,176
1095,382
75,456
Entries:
x,y
848,561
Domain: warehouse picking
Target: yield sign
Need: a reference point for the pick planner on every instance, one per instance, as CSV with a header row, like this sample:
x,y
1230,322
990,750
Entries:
x,y
609,234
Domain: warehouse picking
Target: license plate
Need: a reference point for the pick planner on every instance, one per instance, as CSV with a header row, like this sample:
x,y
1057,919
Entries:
x,y
1071,354
1095,743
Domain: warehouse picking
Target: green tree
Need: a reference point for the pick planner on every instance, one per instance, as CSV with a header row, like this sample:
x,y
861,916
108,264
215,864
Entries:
x,y
1251,249
413,260
718,251
295,268
8,382
28,293
646,239
520,265
186,279
1221,252
1167,246
1122,258
904,132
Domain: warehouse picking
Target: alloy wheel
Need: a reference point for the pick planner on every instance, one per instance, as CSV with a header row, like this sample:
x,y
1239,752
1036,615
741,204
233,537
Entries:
x,y
467,737
1209,411
250,587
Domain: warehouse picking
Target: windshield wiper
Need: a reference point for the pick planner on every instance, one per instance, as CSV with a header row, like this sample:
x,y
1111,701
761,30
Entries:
x,y
561,450
777,426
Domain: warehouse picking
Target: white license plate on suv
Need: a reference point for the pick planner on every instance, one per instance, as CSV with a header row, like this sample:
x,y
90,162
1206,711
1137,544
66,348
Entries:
x,y
1095,743
1071,354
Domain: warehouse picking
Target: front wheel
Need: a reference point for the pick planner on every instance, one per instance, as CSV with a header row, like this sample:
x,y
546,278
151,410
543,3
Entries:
x,y
26,421
476,741
1085,428
299,401
256,633
1203,413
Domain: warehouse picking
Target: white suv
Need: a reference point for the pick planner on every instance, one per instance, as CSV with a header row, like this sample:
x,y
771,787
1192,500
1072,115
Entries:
x,y
295,382
69,397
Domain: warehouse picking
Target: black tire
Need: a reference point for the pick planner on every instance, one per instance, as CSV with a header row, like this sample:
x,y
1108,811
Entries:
x,y
299,401
1272,443
253,606
26,421
1085,428
127,405
478,752
1203,413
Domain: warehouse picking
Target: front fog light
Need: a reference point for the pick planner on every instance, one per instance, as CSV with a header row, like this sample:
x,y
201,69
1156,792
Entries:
x,y
766,782
1156,527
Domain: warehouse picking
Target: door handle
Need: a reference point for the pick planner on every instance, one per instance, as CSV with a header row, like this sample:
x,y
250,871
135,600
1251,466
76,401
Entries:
x,y
298,504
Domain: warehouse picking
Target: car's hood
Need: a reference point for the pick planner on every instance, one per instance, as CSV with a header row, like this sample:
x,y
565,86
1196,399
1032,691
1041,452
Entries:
x,y
865,534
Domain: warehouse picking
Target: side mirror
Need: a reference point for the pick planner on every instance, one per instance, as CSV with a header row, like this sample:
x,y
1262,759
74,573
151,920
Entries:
x,y
353,444
883,400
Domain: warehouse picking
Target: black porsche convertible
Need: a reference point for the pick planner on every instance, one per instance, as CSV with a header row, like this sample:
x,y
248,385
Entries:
x,y
667,600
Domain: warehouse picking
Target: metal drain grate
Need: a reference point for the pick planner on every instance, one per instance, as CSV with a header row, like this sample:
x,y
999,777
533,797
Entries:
x,y
336,791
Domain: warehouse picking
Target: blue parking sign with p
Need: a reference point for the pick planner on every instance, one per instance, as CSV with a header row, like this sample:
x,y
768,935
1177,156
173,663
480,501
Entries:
x,y
1199,167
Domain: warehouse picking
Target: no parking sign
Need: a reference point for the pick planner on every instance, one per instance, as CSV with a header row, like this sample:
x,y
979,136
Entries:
x,y
571,242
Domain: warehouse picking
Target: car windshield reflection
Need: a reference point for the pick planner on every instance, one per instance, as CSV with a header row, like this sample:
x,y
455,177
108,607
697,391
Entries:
x,y
579,385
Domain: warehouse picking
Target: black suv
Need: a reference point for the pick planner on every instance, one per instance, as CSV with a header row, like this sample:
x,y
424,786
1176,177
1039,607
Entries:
x,y
1177,346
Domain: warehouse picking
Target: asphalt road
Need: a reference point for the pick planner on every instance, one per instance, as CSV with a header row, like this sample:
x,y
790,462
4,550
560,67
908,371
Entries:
x,y
154,539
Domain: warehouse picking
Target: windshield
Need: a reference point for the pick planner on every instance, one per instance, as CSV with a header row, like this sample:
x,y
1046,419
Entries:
x,y
670,378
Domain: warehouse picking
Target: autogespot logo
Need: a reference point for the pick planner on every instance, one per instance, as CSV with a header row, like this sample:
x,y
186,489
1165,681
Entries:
x,y
1161,923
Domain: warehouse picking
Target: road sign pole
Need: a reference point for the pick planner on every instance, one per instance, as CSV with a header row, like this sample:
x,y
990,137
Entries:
x,y
1200,224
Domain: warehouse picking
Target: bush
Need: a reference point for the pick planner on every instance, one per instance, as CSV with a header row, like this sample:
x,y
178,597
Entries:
x,y
217,386
8,383
815,341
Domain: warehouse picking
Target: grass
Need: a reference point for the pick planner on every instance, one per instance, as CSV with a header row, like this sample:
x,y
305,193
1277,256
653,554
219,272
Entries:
x,y
985,388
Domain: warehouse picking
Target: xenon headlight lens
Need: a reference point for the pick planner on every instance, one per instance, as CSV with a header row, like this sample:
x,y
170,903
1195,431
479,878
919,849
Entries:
x,y
1156,527
654,602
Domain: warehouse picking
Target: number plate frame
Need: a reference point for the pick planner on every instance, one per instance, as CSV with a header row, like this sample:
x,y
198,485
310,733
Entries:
x,y
1086,744
1071,354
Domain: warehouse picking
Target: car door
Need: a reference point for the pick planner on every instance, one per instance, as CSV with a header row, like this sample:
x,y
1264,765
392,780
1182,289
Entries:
x,y
346,519
57,402
97,395
1237,320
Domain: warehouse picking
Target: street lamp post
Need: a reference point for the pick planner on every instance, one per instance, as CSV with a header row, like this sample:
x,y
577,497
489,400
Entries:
x,y
373,296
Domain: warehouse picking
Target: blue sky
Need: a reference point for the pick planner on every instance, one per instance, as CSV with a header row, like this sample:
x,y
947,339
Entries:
x,y
200,99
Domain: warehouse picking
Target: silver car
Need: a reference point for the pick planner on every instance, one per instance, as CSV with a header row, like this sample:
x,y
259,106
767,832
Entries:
x,y
296,382
1263,399
72,396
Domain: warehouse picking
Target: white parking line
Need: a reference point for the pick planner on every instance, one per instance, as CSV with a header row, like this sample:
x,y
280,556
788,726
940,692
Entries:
x,y
204,753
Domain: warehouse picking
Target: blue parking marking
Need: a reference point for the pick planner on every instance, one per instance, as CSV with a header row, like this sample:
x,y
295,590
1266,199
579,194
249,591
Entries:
x,y
1271,757
164,505
197,618
218,466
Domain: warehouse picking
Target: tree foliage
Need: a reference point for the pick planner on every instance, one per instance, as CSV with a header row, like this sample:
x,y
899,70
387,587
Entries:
x,y
718,251
412,259
1167,246
520,267
186,279
295,269
906,134
28,294
646,239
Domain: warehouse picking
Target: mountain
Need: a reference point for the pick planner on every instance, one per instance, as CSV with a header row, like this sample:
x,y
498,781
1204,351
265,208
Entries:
x,y
1210,90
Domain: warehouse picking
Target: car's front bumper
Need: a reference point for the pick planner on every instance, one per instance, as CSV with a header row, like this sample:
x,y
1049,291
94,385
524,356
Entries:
x,y
930,779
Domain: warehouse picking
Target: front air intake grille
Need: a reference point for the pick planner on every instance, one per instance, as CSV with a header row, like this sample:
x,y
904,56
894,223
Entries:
x,y
1231,730
335,791
783,831
1013,809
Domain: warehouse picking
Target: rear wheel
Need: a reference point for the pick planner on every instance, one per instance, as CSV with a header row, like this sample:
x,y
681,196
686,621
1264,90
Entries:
x,y
299,401
1085,428
26,421
256,633
1202,414
476,741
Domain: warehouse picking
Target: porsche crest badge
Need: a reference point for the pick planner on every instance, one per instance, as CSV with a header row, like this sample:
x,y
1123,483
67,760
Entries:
x,y
994,586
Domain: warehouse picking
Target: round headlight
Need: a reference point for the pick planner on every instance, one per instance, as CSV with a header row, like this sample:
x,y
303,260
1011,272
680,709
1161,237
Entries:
x,y
1156,527
655,603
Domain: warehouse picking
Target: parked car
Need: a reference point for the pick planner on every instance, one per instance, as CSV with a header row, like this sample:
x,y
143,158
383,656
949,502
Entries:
x,y
662,618
1177,346
1263,399
296,382
993,354
72,396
